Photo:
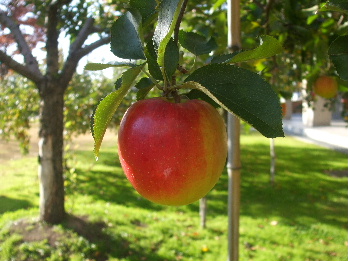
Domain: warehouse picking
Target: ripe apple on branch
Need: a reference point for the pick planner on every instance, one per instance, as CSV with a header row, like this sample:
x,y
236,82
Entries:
x,y
173,148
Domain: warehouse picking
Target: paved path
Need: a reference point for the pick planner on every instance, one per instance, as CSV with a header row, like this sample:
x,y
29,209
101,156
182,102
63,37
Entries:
x,y
334,136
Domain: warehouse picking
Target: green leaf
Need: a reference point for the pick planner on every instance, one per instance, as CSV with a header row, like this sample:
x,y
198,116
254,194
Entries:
x,y
144,86
147,8
338,52
342,4
312,18
241,92
332,6
118,83
126,40
269,47
171,58
342,85
108,106
197,94
224,58
196,43
218,4
102,66
168,14
151,57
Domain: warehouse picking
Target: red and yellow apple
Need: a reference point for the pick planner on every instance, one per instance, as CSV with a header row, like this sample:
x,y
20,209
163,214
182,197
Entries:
x,y
172,153
326,87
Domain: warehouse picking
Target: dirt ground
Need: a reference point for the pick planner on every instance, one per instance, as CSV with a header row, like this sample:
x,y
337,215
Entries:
x,y
9,150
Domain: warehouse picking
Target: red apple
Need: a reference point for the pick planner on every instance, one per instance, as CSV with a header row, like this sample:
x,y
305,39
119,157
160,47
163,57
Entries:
x,y
326,87
172,153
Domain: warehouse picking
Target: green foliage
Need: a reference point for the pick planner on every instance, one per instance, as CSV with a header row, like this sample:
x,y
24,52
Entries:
x,y
73,16
305,29
196,43
129,45
144,86
80,99
336,5
338,52
237,90
108,106
168,15
102,66
269,46
147,9
151,58
171,59
19,106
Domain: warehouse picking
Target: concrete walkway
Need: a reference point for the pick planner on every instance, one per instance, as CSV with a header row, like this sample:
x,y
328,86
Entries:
x,y
334,136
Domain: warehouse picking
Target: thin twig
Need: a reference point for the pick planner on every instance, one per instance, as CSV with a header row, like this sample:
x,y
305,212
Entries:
x,y
178,22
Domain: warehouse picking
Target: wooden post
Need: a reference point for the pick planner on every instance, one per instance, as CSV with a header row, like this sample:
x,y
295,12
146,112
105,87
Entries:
x,y
233,127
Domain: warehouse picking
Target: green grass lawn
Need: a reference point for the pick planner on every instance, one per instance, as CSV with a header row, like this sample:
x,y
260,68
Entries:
x,y
302,217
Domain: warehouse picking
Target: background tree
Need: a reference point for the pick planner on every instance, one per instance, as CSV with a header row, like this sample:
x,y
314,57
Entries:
x,y
52,19
19,103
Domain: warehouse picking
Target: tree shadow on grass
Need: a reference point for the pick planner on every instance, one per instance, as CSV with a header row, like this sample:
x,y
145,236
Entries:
x,y
302,191
106,245
10,204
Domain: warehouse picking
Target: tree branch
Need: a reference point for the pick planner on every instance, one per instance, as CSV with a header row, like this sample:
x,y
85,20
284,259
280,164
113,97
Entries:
x,y
268,9
178,22
82,35
30,61
89,48
73,59
26,71
52,38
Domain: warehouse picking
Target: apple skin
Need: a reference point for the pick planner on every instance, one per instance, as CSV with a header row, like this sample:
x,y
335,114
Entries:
x,y
172,153
326,87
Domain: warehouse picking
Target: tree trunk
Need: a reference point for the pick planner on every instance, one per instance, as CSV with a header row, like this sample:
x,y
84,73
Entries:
x,y
51,154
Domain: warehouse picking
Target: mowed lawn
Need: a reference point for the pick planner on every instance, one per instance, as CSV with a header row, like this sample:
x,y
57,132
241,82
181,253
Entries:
x,y
303,217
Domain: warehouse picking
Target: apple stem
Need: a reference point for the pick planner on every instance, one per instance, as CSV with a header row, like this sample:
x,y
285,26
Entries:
x,y
172,92
176,96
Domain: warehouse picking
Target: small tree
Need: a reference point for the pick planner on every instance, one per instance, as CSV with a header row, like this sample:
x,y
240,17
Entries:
x,y
51,19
